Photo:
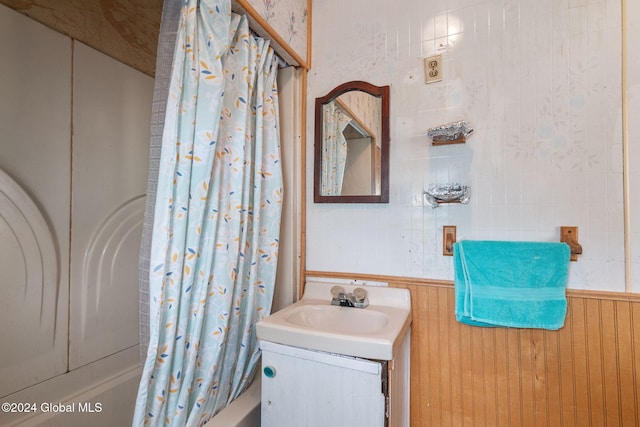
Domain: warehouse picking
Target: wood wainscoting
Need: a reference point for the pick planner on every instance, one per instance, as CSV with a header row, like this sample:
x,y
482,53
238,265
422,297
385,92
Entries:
x,y
585,374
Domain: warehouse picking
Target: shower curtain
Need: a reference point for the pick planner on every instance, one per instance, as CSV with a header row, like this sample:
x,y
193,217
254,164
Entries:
x,y
217,219
334,149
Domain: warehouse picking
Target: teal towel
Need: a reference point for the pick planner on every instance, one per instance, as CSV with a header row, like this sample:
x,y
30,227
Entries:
x,y
512,284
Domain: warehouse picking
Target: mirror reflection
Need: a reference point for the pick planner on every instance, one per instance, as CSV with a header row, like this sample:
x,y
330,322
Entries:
x,y
351,156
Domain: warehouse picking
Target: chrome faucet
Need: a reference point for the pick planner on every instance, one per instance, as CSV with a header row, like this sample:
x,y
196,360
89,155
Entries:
x,y
357,299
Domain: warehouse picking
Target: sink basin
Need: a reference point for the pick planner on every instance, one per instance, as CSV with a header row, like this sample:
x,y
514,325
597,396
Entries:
x,y
313,323
338,319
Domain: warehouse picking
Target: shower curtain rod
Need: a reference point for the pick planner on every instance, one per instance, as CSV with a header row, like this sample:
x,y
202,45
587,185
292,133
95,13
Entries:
x,y
281,62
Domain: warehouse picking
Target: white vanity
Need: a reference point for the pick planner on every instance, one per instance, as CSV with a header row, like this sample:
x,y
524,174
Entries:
x,y
329,365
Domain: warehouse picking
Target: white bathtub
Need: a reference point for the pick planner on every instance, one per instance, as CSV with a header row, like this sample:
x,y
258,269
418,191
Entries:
x,y
242,412
101,394
107,390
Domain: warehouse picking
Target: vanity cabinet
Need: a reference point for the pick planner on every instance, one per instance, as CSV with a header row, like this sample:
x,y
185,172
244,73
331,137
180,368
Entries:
x,y
326,365
308,388
311,388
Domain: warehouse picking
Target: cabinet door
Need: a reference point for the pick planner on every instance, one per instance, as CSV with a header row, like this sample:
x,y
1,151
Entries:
x,y
302,388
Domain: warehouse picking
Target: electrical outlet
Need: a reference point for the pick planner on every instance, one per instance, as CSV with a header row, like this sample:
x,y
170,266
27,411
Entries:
x,y
448,239
433,69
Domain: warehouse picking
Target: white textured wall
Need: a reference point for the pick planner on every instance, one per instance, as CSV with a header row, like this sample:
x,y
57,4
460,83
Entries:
x,y
633,91
540,82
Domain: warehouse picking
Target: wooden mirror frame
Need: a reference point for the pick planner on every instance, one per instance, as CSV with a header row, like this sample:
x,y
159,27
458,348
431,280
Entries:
x,y
381,92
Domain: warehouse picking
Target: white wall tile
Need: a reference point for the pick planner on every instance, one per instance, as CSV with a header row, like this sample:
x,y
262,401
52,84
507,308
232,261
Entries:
x,y
540,83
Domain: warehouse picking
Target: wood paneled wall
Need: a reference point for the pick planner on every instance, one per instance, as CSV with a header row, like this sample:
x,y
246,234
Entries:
x,y
586,374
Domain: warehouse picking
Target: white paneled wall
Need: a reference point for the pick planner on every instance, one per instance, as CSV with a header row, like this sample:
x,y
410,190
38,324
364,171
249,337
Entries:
x,y
35,109
539,81
111,116
633,92
74,137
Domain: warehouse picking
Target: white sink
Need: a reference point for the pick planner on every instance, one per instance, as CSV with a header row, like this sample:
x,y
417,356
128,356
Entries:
x,y
313,323
337,319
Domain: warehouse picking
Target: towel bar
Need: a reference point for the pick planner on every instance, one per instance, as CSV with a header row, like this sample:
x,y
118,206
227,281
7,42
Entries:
x,y
569,235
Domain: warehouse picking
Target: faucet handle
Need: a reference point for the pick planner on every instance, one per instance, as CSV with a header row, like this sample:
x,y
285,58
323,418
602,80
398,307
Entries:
x,y
359,294
336,291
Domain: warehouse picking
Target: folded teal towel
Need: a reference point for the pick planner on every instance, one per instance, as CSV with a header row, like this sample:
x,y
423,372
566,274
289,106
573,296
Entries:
x,y
513,284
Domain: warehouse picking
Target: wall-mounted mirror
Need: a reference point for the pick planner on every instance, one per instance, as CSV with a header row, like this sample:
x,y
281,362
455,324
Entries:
x,y
351,152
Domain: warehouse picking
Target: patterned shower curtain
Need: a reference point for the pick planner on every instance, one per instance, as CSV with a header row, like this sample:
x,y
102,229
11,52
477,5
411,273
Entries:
x,y
334,149
217,219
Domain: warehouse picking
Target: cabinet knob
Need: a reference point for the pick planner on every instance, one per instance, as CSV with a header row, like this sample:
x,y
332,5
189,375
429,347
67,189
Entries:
x,y
269,371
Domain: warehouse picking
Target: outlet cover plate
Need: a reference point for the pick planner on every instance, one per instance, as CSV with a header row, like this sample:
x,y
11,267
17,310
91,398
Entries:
x,y
433,69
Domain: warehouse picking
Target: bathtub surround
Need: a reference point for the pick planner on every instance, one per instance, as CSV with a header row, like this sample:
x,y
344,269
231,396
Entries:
x,y
217,219
72,120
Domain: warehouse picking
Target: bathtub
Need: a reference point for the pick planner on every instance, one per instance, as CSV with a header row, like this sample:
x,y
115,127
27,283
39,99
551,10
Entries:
x,y
242,412
107,390
101,394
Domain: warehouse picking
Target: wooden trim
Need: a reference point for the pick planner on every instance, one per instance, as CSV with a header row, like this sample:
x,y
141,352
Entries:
x,y
399,280
376,278
258,21
603,295
303,186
